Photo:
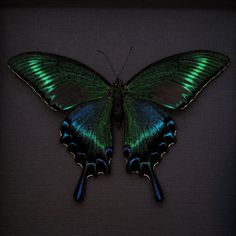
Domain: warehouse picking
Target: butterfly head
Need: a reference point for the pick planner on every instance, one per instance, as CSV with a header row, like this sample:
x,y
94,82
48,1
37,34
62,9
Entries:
x,y
118,87
117,83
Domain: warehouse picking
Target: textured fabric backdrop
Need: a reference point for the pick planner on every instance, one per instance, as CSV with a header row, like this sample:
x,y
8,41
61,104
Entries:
x,y
38,176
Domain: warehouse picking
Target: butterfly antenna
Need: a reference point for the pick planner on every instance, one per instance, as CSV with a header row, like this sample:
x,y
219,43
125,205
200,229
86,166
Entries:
x,y
112,68
126,60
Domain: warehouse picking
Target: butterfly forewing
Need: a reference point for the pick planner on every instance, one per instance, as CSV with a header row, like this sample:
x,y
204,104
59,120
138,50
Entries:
x,y
61,82
175,81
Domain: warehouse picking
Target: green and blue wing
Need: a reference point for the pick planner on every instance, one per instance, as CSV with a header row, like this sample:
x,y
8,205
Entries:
x,y
149,132
61,82
86,132
175,81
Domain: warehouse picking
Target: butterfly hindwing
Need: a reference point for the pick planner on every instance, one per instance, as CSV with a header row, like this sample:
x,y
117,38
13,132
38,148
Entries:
x,y
175,81
148,134
61,82
87,134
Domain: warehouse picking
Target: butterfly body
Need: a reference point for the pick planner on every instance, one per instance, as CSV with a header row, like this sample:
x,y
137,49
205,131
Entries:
x,y
65,84
118,100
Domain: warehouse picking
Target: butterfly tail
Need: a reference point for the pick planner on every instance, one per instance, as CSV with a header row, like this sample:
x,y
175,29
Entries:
x,y
80,190
155,185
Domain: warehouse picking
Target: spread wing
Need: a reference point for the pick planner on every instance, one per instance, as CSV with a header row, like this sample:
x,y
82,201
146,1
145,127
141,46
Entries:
x,y
86,132
61,82
175,81
148,134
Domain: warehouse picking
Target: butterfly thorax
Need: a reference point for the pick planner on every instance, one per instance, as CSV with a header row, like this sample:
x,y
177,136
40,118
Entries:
x,y
117,108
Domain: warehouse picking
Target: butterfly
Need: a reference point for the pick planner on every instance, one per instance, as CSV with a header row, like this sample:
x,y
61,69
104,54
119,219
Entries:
x,y
94,104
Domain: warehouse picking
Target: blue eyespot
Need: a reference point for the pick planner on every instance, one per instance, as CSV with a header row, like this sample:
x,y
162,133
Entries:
x,y
64,126
109,152
127,151
133,164
65,138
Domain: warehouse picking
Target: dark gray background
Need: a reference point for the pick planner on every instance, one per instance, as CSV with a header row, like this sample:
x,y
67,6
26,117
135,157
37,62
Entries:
x,y
37,174
183,4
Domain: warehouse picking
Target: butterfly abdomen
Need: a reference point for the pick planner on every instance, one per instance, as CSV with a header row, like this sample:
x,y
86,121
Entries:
x,y
118,110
